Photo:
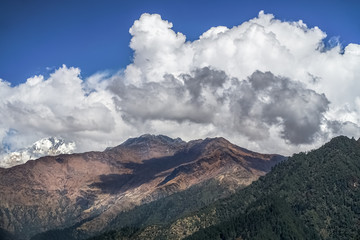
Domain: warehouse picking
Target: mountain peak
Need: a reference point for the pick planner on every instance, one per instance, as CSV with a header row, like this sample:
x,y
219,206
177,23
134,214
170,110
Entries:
x,y
341,141
147,138
219,140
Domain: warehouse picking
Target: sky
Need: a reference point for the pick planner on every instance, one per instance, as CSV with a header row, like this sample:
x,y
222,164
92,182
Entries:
x,y
41,35
272,76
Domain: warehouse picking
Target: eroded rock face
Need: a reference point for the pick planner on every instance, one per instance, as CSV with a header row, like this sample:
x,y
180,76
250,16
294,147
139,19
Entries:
x,y
90,189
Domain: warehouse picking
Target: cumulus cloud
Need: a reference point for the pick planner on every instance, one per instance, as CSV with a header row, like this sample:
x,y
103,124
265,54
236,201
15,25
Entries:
x,y
269,85
57,106
317,82
264,43
191,98
280,101
250,107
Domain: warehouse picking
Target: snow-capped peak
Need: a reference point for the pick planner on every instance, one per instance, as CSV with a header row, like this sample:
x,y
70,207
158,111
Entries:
x,y
44,147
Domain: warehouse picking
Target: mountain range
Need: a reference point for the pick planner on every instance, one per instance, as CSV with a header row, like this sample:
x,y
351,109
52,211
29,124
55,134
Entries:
x,y
76,196
156,187
312,195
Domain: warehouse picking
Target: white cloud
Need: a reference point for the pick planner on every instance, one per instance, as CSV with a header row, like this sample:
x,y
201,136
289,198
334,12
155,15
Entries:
x,y
264,43
198,89
287,49
59,106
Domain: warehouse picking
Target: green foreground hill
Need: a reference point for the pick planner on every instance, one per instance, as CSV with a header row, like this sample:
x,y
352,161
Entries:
x,y
312,195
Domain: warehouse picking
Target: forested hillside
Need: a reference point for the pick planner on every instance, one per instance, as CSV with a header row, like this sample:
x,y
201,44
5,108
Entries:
x,y
312,195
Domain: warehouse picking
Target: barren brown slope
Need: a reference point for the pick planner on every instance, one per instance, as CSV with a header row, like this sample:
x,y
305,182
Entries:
x,y
92,188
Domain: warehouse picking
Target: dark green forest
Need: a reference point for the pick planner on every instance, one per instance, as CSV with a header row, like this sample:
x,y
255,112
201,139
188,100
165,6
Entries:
x,y
310,196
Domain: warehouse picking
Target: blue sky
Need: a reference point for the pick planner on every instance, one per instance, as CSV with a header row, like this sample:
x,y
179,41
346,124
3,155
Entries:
x,y
40,35
262,79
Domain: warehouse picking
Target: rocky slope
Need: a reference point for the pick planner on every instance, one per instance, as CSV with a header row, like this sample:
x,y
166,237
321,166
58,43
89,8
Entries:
x,y
89,190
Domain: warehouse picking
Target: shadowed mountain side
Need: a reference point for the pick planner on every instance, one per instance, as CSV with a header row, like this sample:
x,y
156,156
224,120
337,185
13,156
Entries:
x,y
5,235
156,212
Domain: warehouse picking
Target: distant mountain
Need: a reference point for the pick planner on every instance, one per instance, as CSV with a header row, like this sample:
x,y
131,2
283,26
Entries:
x,y
44,147
313,195
75,196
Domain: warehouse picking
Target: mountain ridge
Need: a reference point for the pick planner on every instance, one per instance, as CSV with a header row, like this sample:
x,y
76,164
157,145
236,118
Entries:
x,y
312,195
96,186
